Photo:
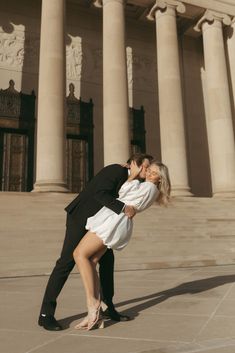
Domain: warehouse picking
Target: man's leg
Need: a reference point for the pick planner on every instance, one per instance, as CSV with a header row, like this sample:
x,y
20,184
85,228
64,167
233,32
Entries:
x,y
58,277
106,272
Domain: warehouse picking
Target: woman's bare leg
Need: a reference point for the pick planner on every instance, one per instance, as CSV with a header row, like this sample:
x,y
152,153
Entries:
x,y
94,261
90,247
82,325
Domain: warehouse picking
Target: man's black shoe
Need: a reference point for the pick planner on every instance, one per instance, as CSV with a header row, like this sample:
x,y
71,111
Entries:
x,y
49,323
111,313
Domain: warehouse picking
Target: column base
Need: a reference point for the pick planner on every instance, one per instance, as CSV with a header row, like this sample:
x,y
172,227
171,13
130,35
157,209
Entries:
x,y
50,186
181,191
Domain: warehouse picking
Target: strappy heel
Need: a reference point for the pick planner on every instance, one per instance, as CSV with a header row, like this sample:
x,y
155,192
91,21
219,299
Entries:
x,y
98,321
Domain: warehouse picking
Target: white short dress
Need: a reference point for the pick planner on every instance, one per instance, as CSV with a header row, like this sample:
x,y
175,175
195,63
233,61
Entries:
x,y
115,229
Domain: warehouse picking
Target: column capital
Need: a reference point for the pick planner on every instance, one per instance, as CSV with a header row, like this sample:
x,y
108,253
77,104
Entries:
x,y
211,17
163,5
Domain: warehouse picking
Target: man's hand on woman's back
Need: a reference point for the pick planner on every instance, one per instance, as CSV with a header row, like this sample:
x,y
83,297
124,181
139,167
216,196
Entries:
x,y
129,211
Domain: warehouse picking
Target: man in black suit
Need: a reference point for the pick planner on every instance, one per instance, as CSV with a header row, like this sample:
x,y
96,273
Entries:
x,y
101,191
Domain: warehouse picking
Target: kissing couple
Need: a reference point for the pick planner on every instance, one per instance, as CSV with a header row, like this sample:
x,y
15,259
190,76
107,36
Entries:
x,y
100,220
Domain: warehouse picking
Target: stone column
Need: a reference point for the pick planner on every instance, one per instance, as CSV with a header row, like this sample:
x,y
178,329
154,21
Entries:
x,y
231,55
172,129
50,162
219,117
115,88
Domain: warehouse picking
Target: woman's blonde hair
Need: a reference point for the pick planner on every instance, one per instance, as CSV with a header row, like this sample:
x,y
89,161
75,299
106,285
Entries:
x,y
164,184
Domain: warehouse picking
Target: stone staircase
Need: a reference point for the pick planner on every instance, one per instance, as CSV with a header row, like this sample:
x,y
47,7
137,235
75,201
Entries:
x,y
190,232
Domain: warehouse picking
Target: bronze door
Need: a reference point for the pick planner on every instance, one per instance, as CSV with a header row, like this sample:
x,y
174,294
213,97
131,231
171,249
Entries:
x,y
77,164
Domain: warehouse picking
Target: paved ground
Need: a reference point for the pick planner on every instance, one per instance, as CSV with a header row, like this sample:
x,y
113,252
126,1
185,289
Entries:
x,y
185,310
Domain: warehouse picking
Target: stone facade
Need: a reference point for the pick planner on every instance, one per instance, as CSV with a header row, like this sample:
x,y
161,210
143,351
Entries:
x,y
175,58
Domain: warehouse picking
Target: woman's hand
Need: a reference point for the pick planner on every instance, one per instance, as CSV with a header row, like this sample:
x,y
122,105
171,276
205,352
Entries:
x,y
134,171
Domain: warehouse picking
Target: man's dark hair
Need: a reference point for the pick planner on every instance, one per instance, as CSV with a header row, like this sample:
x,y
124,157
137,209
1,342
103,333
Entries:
x,y
139,158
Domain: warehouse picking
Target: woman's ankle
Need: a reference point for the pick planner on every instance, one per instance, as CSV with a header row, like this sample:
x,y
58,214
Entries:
x,y
93,304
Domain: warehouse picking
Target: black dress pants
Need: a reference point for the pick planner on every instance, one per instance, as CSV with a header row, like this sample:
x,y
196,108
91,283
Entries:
x,y
65,264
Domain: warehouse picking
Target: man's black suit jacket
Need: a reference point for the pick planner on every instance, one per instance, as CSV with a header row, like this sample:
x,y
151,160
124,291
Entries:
x,y
101,191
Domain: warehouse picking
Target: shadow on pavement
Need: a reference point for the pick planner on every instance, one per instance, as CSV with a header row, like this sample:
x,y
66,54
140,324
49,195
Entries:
x,y
192,287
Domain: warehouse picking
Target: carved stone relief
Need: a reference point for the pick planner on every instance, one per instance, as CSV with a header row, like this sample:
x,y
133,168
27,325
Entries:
x,y
12,50
19,51
140,70
74,57
129,58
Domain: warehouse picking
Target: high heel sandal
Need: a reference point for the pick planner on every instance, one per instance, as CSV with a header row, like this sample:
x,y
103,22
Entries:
x,y
98,321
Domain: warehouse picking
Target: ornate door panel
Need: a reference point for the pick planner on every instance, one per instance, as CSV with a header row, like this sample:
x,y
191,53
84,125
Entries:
x,y
14,157
77,164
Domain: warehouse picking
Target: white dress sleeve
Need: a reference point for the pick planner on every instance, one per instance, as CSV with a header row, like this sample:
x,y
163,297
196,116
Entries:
x,y
128,187
146,195
139,195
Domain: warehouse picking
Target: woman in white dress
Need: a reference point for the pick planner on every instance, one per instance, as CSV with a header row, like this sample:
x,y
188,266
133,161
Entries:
x,y
106,229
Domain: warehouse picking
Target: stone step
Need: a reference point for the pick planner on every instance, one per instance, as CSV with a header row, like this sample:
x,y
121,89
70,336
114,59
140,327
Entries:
x,y
190,232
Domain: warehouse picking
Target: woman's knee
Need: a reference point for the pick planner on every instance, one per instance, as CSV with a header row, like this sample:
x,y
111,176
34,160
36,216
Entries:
x,y
77,255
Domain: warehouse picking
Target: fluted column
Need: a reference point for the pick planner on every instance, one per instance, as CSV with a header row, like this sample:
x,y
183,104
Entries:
x,y
115,88
50,162
172,129
219,117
